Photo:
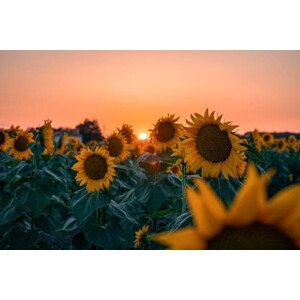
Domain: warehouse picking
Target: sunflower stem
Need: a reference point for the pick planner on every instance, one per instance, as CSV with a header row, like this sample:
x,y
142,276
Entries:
x,y
183,204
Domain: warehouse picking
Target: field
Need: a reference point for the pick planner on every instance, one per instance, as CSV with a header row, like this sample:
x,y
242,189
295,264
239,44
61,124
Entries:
x,y
198,185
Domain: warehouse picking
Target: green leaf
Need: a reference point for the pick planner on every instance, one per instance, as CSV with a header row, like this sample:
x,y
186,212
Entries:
x,y
36,200
70,225
107,239
120,210
254,154
10,213
85,205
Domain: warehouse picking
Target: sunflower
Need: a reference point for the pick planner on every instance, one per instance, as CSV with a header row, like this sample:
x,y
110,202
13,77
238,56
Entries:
x,y
117,147
280,145
139,235
252,221
127,131
4,140
73,140
47,137
257,140
19,145
95,169
212,146
268,139
175,169
293,142
166,133
150,148
62,144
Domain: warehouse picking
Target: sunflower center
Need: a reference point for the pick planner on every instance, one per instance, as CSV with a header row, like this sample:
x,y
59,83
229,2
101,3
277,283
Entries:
x,y
175,169
95,167
266,138
150,149
255,236
213,143
165,131
115,147
2,138
280,144
21,143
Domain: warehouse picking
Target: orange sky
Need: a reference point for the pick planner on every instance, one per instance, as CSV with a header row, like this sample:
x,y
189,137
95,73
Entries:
x,y
251,88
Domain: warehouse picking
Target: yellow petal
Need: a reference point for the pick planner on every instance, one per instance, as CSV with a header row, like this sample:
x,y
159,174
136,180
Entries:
x,y
208,211
245,208
183,239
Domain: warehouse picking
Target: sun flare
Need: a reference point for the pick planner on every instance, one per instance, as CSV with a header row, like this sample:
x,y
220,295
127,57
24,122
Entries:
x,y
143,136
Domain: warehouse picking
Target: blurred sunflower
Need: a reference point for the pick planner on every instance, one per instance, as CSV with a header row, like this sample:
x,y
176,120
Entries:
x,y
212,146
46,137
280,145
175,169
293,142
257,140
150,148
92,144
73,140
268,139
95,169
139,235
117,147
62,144
19,145
252,221
127,131
4,140
166,133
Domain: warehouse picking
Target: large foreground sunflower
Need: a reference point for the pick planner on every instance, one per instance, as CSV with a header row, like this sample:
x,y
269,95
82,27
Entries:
x,y
4,140
47,137
212,146
128,132
117,147
252,222
166,133
95,169
19,145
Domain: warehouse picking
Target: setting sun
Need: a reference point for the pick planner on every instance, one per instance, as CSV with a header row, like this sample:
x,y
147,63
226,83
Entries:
x,y
143,136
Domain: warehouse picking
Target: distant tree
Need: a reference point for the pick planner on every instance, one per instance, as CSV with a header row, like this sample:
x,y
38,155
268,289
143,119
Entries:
x,y
90,130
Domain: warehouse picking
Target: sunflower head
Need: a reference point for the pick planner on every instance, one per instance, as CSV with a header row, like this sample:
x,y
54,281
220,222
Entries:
x,y
46,137
128,132
268,139
95,169
151,164
62,144
280,145
256,140
150,148
251,222
166,133
4,140
140,235
212,146
175,169
19,145
117,147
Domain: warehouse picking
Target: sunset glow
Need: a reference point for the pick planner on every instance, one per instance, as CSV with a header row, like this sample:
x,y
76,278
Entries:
x,y
254,89
143,136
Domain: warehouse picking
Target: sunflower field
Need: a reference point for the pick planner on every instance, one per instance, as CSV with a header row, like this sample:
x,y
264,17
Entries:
x,y
198,185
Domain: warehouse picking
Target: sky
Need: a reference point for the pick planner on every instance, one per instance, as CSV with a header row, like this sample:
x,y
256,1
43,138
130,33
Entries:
x,y
253,89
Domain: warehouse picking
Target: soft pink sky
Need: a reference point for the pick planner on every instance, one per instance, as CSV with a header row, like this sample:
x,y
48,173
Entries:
x,y
254,89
